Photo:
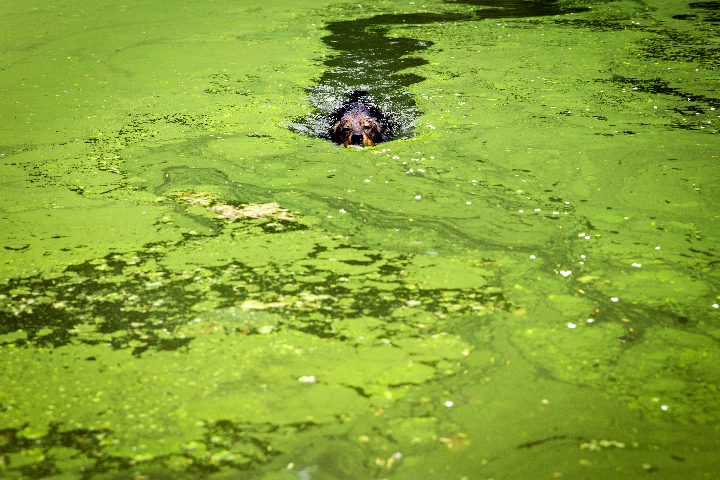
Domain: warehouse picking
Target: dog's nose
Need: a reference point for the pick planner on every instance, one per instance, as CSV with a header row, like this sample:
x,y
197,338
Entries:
x,y
356,139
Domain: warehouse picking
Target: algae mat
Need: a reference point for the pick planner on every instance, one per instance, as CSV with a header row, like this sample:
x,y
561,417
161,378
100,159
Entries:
x,y
520,284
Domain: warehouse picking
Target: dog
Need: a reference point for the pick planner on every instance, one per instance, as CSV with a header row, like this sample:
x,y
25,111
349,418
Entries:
x,y
358,122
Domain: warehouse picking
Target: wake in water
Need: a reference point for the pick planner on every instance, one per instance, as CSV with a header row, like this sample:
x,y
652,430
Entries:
x,y
367,60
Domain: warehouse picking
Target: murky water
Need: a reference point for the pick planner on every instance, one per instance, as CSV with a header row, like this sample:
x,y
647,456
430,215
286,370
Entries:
x,y
520,284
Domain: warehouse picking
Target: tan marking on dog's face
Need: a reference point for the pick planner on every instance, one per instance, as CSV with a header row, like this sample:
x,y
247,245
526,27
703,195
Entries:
x,y
356,124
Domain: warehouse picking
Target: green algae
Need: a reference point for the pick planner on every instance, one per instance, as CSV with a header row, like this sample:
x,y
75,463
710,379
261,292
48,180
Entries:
x,y
140,404
515,288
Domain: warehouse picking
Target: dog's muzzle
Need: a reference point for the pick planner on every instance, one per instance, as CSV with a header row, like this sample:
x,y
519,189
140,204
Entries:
x,y
356,138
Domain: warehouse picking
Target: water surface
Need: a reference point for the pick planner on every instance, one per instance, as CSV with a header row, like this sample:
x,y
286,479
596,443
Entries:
x,y
522,284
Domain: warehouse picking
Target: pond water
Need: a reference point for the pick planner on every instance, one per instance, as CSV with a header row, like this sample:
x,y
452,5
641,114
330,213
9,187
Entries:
x,y
523,283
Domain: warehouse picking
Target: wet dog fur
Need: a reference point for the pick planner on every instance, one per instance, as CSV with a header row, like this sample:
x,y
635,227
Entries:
x,y
358,122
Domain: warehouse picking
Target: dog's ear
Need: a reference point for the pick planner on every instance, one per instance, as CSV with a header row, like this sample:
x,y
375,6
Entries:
x,y
333,133
376,133
384,127
336,131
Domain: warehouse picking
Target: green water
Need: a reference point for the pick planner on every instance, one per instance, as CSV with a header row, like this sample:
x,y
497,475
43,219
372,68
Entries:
x,y
523,284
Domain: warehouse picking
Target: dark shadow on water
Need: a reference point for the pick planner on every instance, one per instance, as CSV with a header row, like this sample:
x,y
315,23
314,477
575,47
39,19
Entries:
x,y
368,59
517,9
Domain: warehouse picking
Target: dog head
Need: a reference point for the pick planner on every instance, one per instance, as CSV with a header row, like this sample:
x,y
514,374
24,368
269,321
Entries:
x,y
358,122
357,127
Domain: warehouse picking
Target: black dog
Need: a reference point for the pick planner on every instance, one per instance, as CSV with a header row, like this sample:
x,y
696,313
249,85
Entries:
x,y
358,122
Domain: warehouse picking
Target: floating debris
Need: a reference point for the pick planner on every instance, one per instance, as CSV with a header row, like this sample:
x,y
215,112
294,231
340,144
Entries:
x,y
246,210
255,210
597,445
